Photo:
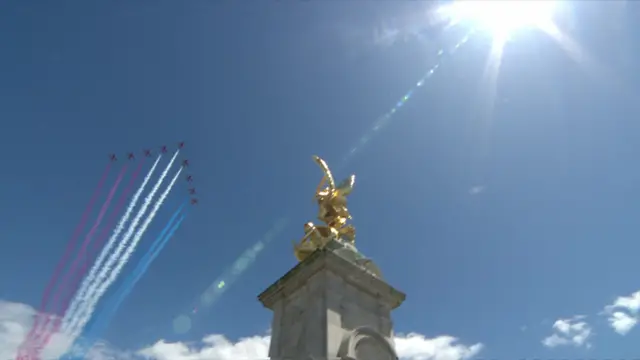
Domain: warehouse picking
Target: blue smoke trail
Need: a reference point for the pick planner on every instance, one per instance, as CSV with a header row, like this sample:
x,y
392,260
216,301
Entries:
x,y
103,319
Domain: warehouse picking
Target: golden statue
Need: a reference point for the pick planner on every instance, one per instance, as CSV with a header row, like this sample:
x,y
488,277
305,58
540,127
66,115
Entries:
x,y
332,211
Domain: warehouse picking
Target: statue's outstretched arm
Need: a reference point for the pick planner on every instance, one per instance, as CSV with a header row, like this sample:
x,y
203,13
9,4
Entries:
x,y
327,173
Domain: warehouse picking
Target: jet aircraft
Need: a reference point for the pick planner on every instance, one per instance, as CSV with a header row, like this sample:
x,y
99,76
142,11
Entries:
x,y
113,157
185,163
192,191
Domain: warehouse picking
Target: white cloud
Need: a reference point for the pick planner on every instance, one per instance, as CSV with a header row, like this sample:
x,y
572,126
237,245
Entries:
x,y
410,347
418,347
385,36
211,347
622,322
16,320
623,313
476,190
573,331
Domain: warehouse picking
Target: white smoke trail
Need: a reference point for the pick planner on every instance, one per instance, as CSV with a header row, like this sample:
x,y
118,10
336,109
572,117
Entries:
x,y
86,283
91,303
71,318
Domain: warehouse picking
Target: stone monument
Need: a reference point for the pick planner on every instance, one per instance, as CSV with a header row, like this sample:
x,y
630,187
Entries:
x,y
334,303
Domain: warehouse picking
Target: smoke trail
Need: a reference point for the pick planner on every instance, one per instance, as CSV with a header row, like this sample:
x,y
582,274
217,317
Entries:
x,y
95,246
65,257
112,219
68,281
94,281
102,321
71,317
142,267
107,249
91,303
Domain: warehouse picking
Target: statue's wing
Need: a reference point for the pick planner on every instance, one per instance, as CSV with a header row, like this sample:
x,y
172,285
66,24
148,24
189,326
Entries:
x,y
327,173
346,186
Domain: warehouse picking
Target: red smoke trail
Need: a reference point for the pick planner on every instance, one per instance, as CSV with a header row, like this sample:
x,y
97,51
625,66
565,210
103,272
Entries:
x,y
69,282
67,252
104,234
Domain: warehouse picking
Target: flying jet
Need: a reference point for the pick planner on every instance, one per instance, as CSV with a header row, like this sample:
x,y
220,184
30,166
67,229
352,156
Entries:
x,y
113,157
185,163
131,156
163,149
192,191
194,201
147,153
181,145
189,178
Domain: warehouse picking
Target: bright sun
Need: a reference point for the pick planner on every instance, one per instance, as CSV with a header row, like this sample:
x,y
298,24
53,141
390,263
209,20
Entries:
x,y
501,17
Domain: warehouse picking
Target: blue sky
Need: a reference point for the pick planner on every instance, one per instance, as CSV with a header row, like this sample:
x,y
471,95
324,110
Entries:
x,y
495,219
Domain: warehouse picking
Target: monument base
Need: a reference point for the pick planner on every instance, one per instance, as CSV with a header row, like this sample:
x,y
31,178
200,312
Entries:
x,y
331,307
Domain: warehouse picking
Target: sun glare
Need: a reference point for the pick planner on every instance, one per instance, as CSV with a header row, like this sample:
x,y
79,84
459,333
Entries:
x,y
501,17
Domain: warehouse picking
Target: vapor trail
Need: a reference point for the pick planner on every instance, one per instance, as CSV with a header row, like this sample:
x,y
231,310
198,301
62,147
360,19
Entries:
x,y
69,281
91,302
86,283
102,236
65,258
104,318
72,317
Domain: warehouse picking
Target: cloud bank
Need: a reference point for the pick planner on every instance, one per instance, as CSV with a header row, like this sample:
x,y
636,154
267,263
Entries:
x,y
410,347
16,320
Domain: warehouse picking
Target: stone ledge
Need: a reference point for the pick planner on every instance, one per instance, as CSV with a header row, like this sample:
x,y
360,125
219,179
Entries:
x,y
327,259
